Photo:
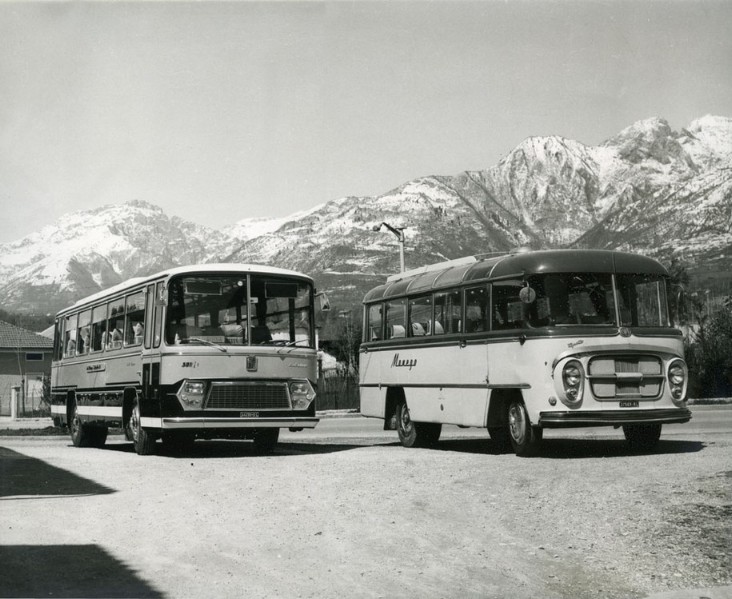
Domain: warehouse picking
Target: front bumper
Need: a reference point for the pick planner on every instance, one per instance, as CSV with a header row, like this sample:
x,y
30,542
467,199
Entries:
x,y
213,422
613,417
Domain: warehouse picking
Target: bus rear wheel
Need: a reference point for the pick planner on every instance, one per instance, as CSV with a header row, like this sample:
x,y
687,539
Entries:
x,y
415,434
81,434
642,436
525,438
142,440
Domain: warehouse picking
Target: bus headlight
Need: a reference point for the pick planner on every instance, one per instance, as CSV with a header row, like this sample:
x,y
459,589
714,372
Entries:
x,y
573,380
301,394
191,394
677,377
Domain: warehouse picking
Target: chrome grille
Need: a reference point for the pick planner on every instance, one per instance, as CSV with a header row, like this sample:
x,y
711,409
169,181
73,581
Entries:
x,y
623,377
255,395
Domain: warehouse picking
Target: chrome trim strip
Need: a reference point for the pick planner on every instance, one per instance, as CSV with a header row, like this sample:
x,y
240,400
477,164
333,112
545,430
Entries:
x,y
213,423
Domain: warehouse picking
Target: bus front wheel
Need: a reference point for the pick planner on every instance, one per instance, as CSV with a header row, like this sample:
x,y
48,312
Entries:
x,y
642,436
415,434
525,438
142,440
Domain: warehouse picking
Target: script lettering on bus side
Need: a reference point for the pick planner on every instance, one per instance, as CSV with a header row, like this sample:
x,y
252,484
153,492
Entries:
x,y
397,363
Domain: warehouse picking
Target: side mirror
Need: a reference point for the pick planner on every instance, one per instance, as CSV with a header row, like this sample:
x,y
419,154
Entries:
x,y
527,295
324,302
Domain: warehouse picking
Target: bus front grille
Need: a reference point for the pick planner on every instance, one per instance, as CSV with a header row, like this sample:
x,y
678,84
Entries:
x,y
624,377
255,395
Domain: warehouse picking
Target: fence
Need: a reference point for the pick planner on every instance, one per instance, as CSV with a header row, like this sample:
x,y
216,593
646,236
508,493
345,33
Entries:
x,y
338,391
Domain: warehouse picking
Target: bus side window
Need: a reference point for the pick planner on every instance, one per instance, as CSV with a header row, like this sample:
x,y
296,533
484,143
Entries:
x,y
98,327
448,312
476,309
58,340
507,306
134,319
420,316
113,339
396,311
375,323
70,337
84,335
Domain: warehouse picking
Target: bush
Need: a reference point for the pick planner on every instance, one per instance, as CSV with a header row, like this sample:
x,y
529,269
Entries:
x,y
709,356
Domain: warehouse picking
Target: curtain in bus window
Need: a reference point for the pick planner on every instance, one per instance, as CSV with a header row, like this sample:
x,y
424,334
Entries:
x,y
70,336
98,327
375,322
84,334
420,316
477,309
396,312
448,312
115,323
134,327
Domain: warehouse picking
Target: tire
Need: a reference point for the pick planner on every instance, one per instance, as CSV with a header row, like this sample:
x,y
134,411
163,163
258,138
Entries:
x,y
81,434
265,439
501,438
642,437
525,438
415,434
142,440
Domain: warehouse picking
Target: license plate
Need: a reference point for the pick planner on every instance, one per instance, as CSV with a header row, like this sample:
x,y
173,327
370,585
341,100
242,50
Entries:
x,y
629,404
248,414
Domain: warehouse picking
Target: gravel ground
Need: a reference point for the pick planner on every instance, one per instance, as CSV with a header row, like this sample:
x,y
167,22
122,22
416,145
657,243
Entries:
x,y
363,518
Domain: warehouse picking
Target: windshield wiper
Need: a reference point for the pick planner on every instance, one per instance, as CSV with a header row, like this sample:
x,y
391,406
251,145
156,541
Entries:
x,y
209,343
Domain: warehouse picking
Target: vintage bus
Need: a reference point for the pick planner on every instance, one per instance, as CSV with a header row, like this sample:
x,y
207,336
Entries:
x,y
203,351
523,342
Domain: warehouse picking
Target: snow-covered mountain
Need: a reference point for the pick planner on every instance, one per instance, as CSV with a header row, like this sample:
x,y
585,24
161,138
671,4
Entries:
x,y
648,189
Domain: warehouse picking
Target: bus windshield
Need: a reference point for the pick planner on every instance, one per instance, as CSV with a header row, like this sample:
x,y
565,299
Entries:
x,y
566,299
216,309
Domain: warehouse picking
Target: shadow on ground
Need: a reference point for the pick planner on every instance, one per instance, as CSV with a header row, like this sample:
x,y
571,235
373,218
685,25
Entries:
x,y
575,448
67,571
223,449
23,475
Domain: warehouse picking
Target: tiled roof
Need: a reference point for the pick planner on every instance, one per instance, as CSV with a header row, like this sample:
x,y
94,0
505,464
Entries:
x,y
12,337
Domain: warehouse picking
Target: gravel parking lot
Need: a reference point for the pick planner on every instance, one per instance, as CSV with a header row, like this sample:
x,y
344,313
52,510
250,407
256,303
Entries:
x,y
363,517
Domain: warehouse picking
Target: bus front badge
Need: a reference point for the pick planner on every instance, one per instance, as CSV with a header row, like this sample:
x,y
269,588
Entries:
x,y
251,363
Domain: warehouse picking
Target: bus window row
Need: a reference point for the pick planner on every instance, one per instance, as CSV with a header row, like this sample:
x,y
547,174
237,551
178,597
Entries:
x,y
546,300
109,326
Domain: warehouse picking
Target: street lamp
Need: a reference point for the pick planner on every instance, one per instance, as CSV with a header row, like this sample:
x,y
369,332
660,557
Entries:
x,y
399,232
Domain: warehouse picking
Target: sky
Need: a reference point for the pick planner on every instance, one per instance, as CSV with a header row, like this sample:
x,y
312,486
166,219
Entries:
x,y
220,111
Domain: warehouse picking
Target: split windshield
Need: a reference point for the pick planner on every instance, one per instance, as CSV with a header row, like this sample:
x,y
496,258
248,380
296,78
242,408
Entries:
x,y
566,299
217,310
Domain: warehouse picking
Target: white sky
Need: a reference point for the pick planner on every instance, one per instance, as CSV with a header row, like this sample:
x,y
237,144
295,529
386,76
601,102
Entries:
x,y
217,111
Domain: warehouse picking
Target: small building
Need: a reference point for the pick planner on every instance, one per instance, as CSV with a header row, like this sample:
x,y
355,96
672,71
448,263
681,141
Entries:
x,y
25,361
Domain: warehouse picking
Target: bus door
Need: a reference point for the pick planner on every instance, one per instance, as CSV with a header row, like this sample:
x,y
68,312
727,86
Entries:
x,y
150,375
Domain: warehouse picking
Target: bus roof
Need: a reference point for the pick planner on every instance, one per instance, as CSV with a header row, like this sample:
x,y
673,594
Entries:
x,y
517,264
192,268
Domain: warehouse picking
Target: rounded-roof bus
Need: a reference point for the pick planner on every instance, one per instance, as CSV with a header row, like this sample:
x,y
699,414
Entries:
x,y
523,342
202,351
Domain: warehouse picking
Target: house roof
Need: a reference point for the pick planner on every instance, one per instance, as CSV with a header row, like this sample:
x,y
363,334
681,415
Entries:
x,y
12,337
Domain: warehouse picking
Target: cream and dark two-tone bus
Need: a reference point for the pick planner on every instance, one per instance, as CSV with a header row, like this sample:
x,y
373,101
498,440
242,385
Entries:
x,y
523,342
204,351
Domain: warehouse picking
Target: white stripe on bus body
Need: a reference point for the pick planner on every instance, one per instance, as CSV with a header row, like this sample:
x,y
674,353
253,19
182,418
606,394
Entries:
x,y
107,411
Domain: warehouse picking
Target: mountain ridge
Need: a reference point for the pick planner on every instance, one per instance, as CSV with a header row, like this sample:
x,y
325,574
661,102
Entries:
x,y
648,189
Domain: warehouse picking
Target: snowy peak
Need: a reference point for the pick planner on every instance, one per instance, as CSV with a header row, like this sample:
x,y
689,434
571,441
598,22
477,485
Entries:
x,y
648,189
